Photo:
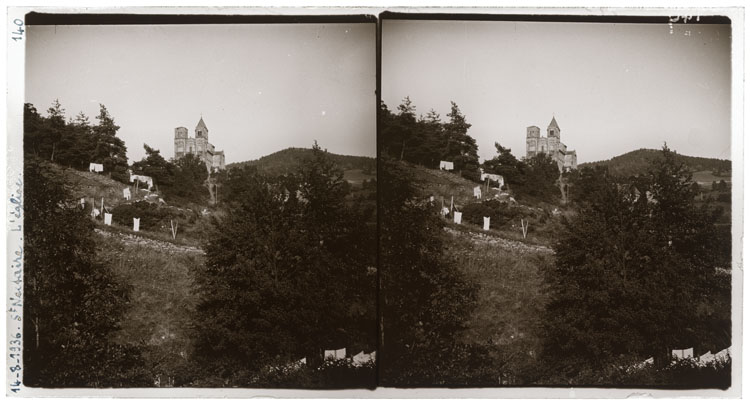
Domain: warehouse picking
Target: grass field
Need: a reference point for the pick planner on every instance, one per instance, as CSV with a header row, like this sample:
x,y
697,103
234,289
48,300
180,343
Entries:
x,y
510,303
162,302
705,178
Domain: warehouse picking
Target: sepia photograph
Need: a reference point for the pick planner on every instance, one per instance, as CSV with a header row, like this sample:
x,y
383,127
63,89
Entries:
x,y
556,201
200,202
374,202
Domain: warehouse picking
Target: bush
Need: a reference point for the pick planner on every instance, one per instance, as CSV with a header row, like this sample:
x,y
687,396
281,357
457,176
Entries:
x,y
153,217
333,374
500,213
681,374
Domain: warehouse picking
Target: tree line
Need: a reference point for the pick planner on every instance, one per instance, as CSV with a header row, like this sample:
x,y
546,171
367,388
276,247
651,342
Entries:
x,y
75,142
640,270
426,140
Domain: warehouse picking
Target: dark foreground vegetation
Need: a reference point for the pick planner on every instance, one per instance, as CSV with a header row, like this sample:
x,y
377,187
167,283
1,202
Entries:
x,y
641,265
281,268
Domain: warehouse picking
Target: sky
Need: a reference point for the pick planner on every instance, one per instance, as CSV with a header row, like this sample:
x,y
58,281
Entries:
x,y
260,88
612,88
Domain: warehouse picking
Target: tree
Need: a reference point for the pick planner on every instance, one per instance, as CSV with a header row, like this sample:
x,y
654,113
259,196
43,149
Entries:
x,y
461,148
286,274
33,131
190,174
424,300
540,175
54,128
428,146
76,144
635,275
506,165
159,169
72,301
110,150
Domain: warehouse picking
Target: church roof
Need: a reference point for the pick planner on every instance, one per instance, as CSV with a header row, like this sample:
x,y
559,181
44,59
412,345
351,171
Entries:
x,y
553,123
201,124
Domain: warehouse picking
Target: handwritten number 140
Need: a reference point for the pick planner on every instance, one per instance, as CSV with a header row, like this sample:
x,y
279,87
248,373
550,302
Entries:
x,y
19,30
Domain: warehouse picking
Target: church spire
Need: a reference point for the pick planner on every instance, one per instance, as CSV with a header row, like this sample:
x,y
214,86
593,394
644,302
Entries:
x,y
553,123
553,130
201,131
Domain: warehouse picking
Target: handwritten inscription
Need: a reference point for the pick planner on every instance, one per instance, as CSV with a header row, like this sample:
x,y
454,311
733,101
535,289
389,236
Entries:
x,y
15,299
17,35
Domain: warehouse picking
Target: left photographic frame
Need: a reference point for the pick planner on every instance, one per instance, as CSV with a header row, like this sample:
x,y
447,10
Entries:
x,y
197,201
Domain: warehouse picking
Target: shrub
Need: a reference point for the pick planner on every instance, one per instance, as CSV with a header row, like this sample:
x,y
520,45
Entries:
x,y
500,212
153,217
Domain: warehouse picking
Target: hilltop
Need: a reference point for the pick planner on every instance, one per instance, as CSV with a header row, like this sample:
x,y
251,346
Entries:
x,y
287,160
636,162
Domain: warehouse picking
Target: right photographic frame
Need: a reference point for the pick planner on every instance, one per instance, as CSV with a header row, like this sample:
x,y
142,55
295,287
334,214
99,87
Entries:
x,y
560,201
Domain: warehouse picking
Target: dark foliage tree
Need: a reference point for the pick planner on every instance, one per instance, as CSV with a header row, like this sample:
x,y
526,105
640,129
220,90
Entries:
x,y
636,275
429,149
462,148
426,141
72,302
158,168
505,164
33,130
289,273
541,174
53,129
190,174
589,182
110,150
424,300
75,143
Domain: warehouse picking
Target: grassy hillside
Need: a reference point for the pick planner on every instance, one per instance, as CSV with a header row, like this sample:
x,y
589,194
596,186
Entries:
x,y
162,302
94,186
636,162
511,300
544,225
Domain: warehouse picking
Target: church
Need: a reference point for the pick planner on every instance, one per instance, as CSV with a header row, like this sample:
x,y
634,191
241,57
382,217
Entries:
x,y
550,145
199,146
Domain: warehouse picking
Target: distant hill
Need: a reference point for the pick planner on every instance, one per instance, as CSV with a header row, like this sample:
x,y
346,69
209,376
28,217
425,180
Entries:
x,y
287,160
637,162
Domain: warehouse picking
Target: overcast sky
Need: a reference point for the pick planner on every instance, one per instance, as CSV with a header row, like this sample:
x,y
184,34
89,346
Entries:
x,y
613,88
260,88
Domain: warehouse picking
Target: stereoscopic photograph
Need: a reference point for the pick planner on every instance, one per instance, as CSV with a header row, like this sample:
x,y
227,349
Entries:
x,y
200,204
555,202
380,201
